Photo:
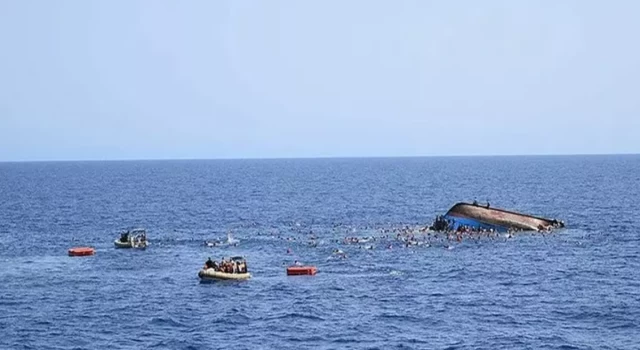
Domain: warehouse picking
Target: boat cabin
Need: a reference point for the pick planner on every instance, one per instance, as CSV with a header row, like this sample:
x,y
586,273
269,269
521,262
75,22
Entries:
x,y
135,237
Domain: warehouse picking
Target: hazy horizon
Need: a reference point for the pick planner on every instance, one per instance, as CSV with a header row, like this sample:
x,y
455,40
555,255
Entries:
x,y
135,80
325,158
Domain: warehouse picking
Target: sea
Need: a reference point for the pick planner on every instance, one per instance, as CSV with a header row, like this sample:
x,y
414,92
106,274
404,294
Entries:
x,y
575,288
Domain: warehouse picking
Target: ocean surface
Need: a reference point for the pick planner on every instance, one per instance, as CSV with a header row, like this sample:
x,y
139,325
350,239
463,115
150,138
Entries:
x,y
578,288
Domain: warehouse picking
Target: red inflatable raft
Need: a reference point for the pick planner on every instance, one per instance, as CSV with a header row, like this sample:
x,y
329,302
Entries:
x,y
301,270
81,251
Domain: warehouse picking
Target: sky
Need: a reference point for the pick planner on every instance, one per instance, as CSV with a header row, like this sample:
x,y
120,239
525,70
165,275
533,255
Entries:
x,y
159,79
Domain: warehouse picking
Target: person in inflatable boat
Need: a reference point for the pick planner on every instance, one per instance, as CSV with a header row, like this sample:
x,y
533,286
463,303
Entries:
x,y
227,266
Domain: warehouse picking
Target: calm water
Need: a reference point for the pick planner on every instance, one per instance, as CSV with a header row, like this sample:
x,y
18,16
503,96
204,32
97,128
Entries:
x,y
575,289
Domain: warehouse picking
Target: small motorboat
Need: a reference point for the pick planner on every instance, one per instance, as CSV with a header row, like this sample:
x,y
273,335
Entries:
x,y
136,238
211,271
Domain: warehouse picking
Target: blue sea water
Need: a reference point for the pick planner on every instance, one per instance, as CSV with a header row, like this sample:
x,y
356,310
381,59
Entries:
x,y
577,288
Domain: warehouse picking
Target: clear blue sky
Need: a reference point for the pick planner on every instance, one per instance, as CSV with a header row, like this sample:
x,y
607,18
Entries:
x,y
125,79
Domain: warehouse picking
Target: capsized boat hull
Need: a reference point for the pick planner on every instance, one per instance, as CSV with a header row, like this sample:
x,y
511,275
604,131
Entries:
x,y
211,274
478,216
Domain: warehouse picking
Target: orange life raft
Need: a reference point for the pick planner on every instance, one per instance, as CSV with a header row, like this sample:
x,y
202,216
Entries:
x,y
301,270
81,251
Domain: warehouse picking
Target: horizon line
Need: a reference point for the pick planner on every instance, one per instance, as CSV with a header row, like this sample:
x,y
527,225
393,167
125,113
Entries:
x,y
318,157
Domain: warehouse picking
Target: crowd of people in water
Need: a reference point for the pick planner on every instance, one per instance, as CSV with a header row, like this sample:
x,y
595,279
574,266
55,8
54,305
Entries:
x,y
227,266
439,234
443,232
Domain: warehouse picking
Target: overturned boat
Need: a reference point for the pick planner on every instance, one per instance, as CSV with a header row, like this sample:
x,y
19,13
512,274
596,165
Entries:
x,y
481,217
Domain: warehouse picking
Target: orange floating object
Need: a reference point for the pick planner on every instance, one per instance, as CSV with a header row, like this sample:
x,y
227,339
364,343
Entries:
x,y
81,251
301,270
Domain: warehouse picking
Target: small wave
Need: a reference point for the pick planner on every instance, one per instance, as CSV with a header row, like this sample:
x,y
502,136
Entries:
x,y
342,340
453,347
568,347
313,338
166,321
168,280
390,316
10,303
294,315
173,344
624,325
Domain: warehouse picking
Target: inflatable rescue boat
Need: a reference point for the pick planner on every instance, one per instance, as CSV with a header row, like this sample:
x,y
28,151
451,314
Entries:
x,y
212,274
